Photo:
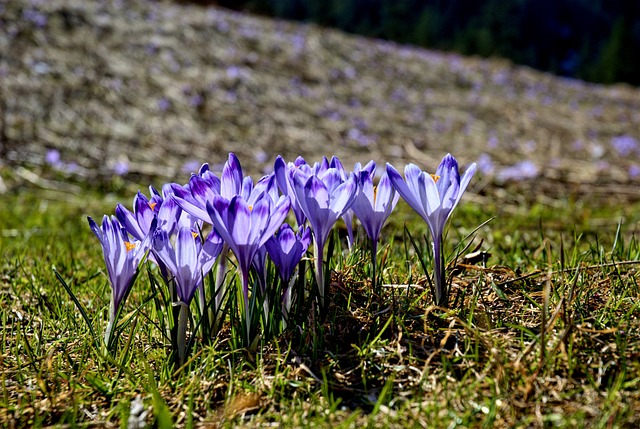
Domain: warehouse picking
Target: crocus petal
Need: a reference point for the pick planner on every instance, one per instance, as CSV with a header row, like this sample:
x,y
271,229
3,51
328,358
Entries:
x,y
298,182
332,178
218,212
286,249
168,215
343,196
201,191
316,190
284,180
278,214
210,251
203,169
212,180
259,218
287,238
120,260
95,228
268,185
385,193
370,167
247,188
447,172
129,221
405,191
185,200
143,211
320,167
162,249
466,178
231,179
186,261
239,220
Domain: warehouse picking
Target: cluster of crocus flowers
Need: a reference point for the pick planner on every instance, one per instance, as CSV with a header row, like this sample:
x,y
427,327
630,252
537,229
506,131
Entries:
x,y
187,229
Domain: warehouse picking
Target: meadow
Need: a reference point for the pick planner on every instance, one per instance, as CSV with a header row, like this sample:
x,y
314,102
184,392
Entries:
x,y
98,101
542,329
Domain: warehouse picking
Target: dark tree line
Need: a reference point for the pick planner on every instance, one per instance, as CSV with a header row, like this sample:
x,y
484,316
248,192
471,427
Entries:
x,y
595,40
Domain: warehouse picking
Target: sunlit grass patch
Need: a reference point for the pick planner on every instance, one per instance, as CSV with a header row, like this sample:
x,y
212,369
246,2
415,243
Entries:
x,y
543,329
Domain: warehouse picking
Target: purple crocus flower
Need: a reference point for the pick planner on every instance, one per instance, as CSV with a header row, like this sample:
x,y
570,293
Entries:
x,y
374,203
122,256
286,248
205,186
189,261
323,199
370,167
259,264
193,197
434,197
372,207
284,178
158,211
138,223
245,228
347,217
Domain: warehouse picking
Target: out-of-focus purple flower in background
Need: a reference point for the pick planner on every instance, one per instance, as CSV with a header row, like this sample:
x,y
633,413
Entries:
x,y
634,171
121,167
522,170
196,100
625,145
493,142
190,166
164,104
577,145
53,158
35,17
485,164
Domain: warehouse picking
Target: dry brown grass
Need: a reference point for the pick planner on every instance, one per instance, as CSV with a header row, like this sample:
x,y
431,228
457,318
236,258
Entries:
x,y
92,82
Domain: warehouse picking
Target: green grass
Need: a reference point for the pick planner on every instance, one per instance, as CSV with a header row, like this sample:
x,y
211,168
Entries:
x,y
545,333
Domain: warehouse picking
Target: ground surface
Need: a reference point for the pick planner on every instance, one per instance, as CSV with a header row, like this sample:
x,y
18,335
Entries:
x,y
153,89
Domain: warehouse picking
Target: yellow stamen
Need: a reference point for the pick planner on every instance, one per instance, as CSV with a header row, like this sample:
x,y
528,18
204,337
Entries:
x,y
250,207
130,246
152,205
435,177
375,193
195,234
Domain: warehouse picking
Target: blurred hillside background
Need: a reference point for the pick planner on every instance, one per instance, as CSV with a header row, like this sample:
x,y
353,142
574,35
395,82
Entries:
x,y
142,92
594,40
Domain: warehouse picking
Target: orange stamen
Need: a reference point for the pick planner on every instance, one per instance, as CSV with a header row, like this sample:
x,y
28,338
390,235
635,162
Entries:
x,y
129,246
152,205
195,234
435,177
250,207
